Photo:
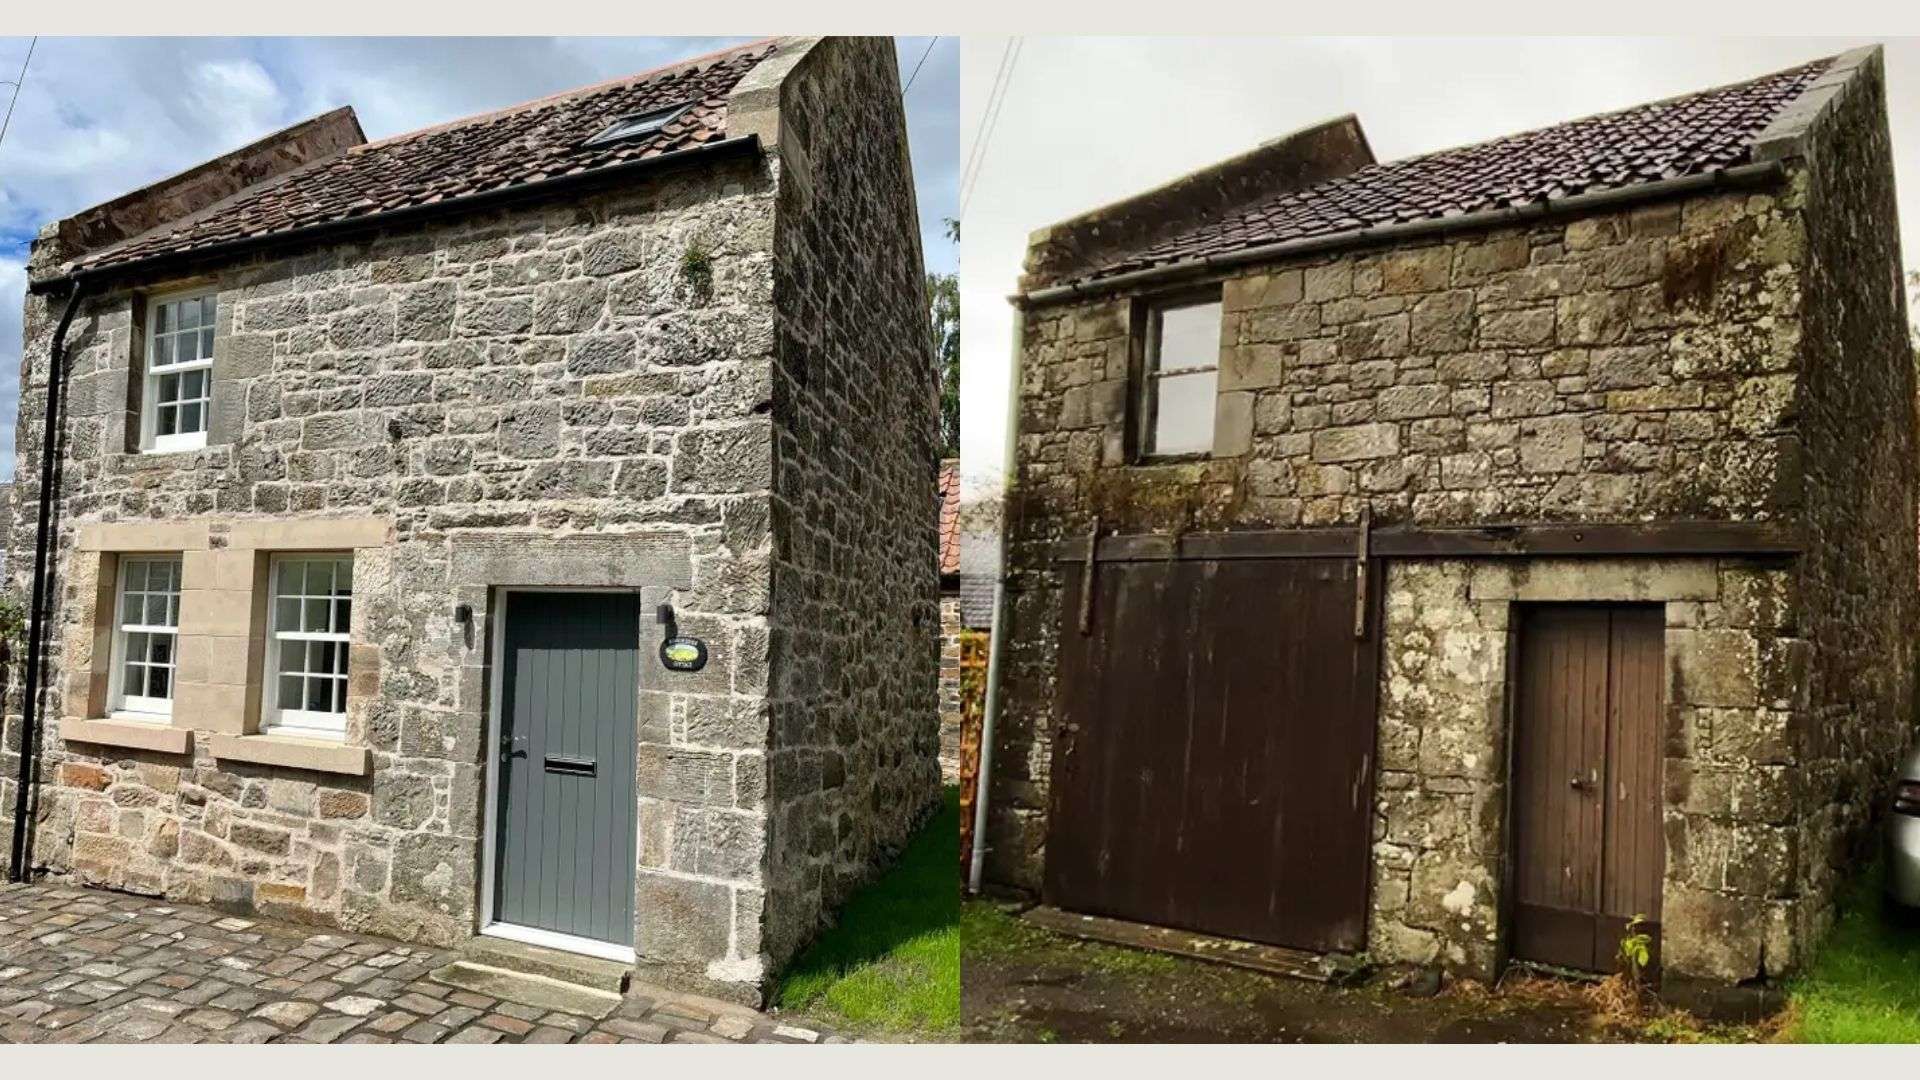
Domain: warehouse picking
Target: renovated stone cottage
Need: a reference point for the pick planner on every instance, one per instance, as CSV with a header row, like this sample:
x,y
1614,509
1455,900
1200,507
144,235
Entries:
x,y
516,528
1473,557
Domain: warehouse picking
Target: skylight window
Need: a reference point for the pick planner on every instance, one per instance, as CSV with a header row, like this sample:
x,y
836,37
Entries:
x,y
640,124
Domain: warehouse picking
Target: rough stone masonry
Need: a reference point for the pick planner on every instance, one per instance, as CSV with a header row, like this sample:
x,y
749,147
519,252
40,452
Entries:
x,y
1728,356
708,383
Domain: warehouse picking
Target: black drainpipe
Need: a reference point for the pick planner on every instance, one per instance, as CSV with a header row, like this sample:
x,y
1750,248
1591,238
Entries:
x,y
36,615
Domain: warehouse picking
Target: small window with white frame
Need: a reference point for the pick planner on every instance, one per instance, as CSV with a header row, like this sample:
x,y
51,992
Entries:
x,y
146,637
1181,372
307,640
179,386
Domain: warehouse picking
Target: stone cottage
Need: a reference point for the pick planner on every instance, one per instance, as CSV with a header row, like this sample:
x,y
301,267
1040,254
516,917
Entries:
x,y
1468,558
513,532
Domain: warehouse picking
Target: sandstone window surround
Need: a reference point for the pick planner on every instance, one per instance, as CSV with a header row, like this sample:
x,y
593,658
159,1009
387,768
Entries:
x,y
177,398
221,689
1179,374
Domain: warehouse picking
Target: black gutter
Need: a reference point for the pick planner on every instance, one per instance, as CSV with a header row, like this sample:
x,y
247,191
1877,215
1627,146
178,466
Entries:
x,y
537,189
36,615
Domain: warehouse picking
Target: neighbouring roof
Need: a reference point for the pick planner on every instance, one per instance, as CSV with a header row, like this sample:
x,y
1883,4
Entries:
x,y
1696,133
486,153
949,517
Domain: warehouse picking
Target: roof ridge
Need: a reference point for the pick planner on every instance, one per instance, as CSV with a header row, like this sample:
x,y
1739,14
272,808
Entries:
x,y
674,68
1671,99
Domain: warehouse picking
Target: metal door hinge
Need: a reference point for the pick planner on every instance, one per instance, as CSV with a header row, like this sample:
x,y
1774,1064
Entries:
x,y
1086,578
1360,573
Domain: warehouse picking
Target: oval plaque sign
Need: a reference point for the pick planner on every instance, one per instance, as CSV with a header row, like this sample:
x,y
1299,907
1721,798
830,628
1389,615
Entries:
x,y
683,653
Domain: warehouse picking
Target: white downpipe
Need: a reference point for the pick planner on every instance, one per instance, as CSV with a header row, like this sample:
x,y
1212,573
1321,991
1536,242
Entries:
x,y
996,644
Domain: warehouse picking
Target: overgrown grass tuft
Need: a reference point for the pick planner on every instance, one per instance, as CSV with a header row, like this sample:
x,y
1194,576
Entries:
x,y
1865,985
891,966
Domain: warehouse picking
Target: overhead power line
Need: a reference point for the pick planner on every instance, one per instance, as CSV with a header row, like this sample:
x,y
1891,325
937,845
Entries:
x,y
990,119
16,84
921,64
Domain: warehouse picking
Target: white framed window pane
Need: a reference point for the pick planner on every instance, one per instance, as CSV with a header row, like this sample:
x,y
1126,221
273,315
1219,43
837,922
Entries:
x,y
1189,337
1183,413
311,616
179,385
149,605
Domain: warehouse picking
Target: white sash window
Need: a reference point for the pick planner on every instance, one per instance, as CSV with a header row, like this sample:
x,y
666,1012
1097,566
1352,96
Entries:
x,y
179,391
146,633
307,644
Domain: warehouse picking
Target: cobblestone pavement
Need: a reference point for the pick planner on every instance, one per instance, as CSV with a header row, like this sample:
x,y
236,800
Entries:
x,y
83,965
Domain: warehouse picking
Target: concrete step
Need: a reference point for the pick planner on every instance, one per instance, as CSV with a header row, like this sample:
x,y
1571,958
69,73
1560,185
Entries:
x,y
607,976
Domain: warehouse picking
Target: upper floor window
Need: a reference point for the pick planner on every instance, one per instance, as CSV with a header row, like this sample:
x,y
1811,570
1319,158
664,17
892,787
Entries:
x,y
307,644
1182,368
179,390
146,630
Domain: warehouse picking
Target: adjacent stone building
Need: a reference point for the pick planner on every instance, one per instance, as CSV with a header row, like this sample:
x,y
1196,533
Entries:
x,y
516,527
950,624
1508,542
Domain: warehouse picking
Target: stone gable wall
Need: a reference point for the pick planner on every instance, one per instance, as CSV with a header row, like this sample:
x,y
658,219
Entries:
x,y
1857,598
854,764
538,377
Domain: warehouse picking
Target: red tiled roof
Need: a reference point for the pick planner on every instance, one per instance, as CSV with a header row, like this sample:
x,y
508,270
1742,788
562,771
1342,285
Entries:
x,y
489,152
949,517
1692,134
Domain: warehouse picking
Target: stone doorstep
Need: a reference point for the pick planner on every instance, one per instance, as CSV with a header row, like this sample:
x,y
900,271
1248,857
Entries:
x,y
592,972
1337,969
541,991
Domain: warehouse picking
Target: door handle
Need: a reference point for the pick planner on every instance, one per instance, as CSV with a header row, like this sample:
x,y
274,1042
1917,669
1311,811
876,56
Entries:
x,y
1581,785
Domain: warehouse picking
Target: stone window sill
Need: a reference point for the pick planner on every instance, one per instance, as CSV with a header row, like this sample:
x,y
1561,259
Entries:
x,y
287,752
133,734
213,455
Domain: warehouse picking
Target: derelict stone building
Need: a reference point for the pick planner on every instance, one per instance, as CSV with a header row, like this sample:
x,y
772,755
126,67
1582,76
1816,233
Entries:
x,y
1487,548
517,527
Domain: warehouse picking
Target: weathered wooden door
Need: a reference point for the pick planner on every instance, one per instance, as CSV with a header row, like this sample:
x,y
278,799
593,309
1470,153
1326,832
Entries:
x,y
1588,850
1213,765
568,713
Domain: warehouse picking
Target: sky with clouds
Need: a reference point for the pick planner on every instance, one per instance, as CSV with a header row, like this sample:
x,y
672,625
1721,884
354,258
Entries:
x,y
99,117
1146,110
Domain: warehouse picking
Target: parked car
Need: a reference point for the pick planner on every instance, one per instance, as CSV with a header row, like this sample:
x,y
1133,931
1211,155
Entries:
x,y
1903,837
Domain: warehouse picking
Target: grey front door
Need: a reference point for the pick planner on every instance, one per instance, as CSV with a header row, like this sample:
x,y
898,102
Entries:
x,y
565,826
